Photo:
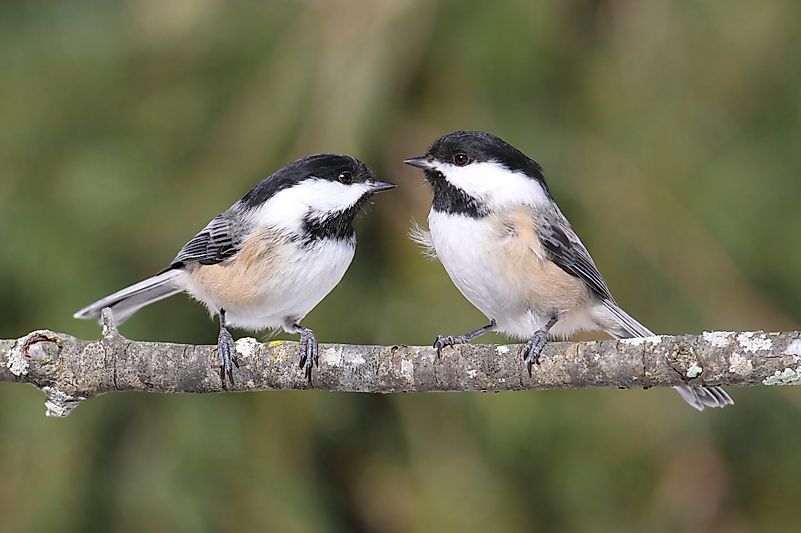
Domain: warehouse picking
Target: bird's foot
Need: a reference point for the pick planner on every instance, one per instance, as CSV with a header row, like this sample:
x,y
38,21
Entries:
x,y
449,340
308,353
227,351
532,350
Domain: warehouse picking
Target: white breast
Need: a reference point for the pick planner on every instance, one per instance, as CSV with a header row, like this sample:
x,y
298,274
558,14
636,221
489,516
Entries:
x,y
469,250
310,273
284,284
497,263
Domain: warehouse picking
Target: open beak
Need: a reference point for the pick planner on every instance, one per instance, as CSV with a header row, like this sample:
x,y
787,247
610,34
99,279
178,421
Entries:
x,y
425,162
379,186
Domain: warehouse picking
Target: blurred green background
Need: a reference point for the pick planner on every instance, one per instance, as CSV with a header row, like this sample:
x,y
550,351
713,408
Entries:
x,y
670,134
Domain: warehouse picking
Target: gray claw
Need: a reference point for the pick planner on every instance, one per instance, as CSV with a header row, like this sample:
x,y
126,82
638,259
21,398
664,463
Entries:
x,y
448,340
532,350
227,351
304,345
309,356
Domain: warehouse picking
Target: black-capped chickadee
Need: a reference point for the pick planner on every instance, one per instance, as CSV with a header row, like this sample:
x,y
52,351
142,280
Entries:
x,y
512,253
270,258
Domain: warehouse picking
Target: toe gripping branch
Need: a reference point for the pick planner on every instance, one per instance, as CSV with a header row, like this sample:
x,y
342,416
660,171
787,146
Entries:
x,y
227,352
532,350
309,355
451,340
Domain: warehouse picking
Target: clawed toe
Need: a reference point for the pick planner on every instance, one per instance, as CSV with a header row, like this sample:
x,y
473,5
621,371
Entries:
x,y
309,356
532,350
443,341
227,352
451,340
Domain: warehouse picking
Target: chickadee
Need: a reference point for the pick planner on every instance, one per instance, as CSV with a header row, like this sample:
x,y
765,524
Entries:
x,y
270,258
512,253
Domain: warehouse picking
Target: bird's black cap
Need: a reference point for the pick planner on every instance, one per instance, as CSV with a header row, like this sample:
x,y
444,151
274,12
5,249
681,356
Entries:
x,y
481,147
463,148
320,166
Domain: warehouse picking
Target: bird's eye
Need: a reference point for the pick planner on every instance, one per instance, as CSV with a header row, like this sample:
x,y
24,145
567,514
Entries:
x,y
460,159
346,178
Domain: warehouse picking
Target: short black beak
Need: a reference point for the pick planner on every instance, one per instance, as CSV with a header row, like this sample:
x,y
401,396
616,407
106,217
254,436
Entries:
x,y
425,162
379,186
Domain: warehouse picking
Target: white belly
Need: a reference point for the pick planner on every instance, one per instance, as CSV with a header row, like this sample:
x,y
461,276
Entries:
x,y
291,283
306,281
469,250
506,276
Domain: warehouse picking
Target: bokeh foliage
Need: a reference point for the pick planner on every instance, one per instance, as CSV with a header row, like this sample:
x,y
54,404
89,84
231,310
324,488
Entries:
x,y
669,132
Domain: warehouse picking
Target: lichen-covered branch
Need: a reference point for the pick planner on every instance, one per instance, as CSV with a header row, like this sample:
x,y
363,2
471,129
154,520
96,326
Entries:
x,y
70,369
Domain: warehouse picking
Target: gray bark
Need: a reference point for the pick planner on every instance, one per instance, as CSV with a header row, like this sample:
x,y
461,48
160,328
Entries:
x,y
68,369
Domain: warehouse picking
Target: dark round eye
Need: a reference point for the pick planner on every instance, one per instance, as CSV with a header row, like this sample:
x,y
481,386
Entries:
x,y
460,159
346,178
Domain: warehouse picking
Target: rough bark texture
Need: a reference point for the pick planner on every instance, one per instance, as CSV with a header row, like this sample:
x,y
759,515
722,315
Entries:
x,y
68,369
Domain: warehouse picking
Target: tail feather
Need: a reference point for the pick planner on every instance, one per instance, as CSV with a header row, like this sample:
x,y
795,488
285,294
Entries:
x,y
129,300
626,327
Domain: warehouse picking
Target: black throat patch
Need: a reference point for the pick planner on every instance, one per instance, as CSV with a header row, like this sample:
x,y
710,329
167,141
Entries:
x,y
337,226
453,200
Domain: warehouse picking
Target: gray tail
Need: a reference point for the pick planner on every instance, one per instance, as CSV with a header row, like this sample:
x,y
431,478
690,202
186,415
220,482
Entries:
x,y
129,300
699,397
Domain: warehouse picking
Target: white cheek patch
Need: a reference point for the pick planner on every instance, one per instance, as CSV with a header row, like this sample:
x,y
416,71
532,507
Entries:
x,y
494,184
315,197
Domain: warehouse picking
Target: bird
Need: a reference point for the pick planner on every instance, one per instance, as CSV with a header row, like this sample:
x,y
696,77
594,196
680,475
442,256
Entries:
x,y
269,259
496,228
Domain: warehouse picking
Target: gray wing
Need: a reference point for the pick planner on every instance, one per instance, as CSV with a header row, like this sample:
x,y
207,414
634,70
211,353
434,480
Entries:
x,y
566,250
215,243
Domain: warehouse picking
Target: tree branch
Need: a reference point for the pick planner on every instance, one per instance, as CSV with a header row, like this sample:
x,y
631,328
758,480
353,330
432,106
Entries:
x,y
68,369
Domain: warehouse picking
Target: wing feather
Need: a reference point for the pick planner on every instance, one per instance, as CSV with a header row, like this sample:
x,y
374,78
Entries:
x,y
215,243
567,251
